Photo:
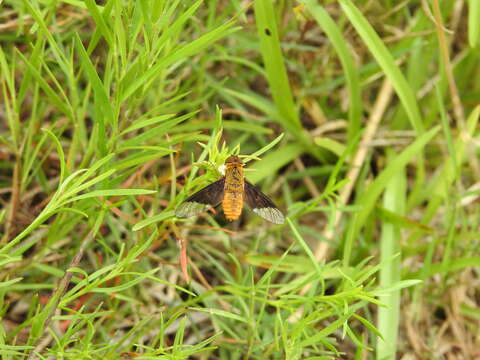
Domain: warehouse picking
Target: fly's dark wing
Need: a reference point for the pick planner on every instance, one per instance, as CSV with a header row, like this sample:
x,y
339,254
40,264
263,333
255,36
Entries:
x,y
262,205
210,195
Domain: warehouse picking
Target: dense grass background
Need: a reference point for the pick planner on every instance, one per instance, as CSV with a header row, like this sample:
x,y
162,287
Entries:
x,y
364,115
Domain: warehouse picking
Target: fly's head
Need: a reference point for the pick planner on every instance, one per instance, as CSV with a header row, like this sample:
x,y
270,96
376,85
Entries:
x,y
233,162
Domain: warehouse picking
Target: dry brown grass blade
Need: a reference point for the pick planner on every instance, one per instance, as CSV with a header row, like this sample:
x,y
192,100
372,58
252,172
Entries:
x,y
383,100
182,244
444,50
14,202
307,180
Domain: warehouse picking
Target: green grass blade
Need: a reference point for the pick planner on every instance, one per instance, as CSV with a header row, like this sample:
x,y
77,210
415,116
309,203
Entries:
x,y
222,313
305,247
113,192
274,160
146,122
274,64
99,21
60,102
372,192
157,132
265,148
61,154
389,316
7,81
57,51
154,219
473,22
328,25
386,62
102,101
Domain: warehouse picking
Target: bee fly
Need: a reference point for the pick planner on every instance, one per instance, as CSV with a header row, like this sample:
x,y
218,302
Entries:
x,y
232,190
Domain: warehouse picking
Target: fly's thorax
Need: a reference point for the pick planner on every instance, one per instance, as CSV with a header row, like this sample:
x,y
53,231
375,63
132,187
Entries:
x,y
234,180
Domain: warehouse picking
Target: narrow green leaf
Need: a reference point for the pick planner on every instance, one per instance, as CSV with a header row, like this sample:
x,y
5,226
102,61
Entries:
x,y
146,122
57,51
126,285
325,331
91,170
154,219
274,64
99,21
104,112
61,154
274,160
331,145
113,192
473,22
52,270
401,221
305,247
386,62
221,313
101,96
140,158
265,148
159,149
8,283
324,20
61,103
372,192
157,131
403,284
388,320
87,184
71,210
9,98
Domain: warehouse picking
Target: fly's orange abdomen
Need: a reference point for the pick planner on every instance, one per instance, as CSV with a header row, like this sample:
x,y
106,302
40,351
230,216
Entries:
x,y
232,205
232,202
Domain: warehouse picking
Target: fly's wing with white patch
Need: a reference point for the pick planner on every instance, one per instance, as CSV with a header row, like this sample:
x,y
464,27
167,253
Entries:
x,y
210,195
262,205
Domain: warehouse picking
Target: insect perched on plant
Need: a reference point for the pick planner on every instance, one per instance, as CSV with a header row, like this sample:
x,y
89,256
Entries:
x,y
232,190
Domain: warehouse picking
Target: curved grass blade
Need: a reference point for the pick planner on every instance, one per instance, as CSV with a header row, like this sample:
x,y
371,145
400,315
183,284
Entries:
x,y
386,62
328,25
